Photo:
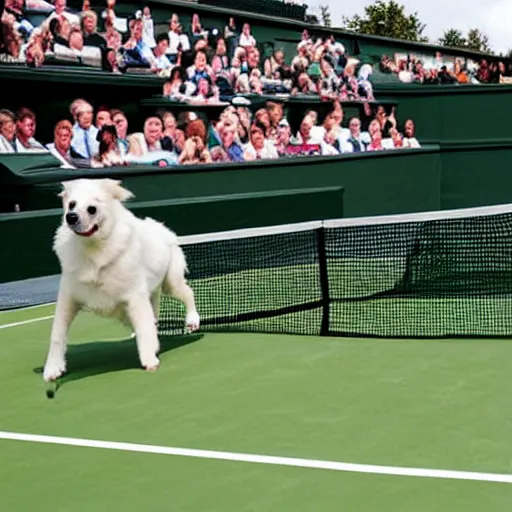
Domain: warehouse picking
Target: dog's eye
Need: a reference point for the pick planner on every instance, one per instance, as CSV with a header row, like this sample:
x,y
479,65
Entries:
x,y
91,210
72,205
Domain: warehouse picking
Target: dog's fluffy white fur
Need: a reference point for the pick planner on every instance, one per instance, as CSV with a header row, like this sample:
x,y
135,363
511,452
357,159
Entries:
x,y
116,265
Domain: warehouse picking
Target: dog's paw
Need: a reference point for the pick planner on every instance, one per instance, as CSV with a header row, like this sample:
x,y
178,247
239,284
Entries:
x,y
52,371
192,321
151,364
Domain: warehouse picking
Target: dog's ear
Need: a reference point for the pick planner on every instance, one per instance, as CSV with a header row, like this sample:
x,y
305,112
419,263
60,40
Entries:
x,y
65,190
116,190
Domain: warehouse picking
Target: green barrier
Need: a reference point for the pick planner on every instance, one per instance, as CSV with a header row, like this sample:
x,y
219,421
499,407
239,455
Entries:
x,y
380,183
27,237
448,114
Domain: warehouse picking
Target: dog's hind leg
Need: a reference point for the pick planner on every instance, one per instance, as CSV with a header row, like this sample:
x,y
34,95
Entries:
x,y
65,312
176,285
140,311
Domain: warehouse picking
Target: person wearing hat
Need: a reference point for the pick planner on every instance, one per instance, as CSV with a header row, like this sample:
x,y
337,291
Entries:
x,y
283,137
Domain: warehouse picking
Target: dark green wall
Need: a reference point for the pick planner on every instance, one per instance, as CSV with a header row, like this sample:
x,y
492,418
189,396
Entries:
x,y
374,183
446,114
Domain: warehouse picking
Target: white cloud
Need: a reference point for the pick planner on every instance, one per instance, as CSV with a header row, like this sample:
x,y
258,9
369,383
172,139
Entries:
x,y
494,18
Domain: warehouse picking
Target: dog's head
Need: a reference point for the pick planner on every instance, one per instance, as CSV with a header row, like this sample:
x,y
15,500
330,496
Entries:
x,y
92,205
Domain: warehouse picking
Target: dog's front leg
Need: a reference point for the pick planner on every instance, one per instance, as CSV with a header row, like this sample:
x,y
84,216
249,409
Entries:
x,y
140,311
65,312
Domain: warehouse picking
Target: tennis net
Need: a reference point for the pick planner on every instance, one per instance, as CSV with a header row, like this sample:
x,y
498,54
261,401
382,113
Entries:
x,y
434,274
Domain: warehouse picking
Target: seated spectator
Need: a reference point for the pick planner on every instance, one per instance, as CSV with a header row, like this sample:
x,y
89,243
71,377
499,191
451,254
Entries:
x,y
304,85
300,63
61,148
173,139
229,150
307,133
102,117
396,138
84,141
148,28
178,41
246,39
61,12
197,31
377,142
135,51
38,44
112,36
26,129
109,153
329,83
9,138
409,139
89,23
356,139
8,143
176,88
200,68
385,122
445,76
205,92
259,147
460,75
231,36
148,140
274,64
147,146
121,123
275,115
159,61
195,152
220,61
253,59
283,138
330,145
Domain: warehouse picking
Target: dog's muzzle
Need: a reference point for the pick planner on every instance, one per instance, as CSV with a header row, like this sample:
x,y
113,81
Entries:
x,y
73,221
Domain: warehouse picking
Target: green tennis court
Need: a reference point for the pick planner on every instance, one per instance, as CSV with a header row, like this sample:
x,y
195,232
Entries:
x,y
430,405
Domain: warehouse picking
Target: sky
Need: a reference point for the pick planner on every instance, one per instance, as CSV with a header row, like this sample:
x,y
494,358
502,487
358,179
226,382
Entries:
x,y
492,17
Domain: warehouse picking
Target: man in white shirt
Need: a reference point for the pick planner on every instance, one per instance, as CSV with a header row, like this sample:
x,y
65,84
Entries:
x,y
84,140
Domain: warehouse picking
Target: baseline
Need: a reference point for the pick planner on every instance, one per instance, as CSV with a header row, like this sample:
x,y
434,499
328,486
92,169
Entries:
x,y
262,459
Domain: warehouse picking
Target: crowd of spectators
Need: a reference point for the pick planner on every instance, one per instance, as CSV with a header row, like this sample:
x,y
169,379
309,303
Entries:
x,y
200,66
102,137
441,70
209,63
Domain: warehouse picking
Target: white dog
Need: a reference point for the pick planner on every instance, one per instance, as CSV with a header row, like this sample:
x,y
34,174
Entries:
x,y
115,265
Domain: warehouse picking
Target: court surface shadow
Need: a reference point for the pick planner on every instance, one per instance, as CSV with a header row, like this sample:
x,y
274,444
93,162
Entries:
x,y
86,360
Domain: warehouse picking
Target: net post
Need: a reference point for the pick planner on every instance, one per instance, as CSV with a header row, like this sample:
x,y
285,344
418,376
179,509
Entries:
x,y
324,280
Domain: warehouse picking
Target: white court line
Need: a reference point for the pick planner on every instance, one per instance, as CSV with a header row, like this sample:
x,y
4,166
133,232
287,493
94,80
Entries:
x,y
31,321
262,459
26,308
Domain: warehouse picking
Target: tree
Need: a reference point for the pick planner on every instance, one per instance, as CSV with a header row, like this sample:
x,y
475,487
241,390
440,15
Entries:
x,y
453,38
325,13
387,18
475,40
478,41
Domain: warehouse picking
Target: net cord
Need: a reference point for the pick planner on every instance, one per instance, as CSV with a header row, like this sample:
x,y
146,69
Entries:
x,y
461,213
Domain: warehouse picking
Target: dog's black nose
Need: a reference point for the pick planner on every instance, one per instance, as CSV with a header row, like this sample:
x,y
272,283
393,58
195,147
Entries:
x,y
71,218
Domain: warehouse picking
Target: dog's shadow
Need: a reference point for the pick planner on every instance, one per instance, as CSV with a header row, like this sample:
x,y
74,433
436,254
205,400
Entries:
x,y
101,357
